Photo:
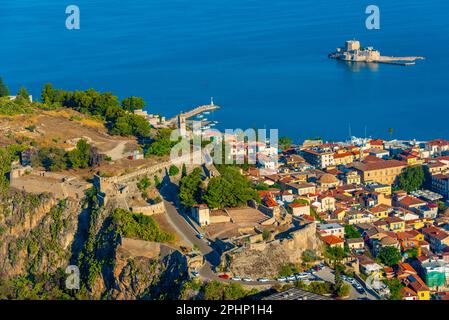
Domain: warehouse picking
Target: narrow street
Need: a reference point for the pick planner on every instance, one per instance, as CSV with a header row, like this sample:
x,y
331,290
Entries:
x,y
328,275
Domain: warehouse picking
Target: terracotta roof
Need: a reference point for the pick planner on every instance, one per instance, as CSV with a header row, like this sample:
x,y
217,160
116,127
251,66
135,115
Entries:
x,y
435,232
438,142
379,208
378,165
377,142
297,205
331,239
411,201
270,202
328,178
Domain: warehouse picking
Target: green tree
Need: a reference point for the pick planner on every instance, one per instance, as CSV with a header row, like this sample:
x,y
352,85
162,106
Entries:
x,y
144,183
5,168
52,159
133,103
351,232
183,170
23,94
335,255
80,156
389,256
286,270
4,91
395,287
218,193
189,188
285,142
412,253
138,226
343,290
412,178
173,170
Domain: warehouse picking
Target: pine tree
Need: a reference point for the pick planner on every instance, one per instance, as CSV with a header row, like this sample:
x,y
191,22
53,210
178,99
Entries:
x,y
4,91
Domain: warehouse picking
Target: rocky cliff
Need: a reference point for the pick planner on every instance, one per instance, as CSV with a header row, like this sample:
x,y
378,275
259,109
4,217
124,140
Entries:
x,y
40,236
265,259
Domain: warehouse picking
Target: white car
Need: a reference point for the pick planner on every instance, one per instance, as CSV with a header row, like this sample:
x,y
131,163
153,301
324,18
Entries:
x,y
247,279
291,278
195,274
236,278
283,279
262,280
302,275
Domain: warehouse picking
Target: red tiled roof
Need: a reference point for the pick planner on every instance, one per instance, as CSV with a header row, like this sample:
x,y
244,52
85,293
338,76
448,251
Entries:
x,y
331,239
411,201
438,142
378,165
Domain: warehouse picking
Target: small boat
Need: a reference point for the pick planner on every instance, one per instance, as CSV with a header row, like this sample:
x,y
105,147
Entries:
x,y
199,116
206,112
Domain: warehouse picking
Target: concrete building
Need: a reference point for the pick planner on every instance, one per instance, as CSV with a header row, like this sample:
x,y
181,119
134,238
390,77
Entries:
x,y
382,171
328,229
440,184
437,147
318,157
201,214
299,209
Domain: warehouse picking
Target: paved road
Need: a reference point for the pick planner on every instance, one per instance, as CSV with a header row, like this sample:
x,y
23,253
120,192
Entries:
x,y
328,275
180,222
190,234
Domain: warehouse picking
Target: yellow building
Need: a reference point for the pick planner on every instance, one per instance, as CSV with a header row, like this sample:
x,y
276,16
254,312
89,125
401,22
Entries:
x,y
382,171
380,211
342,157
395,224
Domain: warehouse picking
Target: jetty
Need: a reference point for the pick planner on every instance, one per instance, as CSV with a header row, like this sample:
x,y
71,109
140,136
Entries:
x,y
195,111
353,52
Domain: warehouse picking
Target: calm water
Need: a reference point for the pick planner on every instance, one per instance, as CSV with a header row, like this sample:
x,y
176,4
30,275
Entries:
x,y
265,62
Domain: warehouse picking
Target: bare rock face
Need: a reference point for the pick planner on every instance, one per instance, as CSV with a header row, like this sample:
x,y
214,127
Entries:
x,y
139,277
265,259
36,232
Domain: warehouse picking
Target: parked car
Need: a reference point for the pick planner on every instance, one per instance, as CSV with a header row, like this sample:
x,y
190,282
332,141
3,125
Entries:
x,y
236,278
359,288
247,279
302,275
291,278
200,236
282,279
262,280
224,276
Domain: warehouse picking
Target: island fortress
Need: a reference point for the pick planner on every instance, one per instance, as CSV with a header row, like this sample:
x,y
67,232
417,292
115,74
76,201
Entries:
x,y
355,53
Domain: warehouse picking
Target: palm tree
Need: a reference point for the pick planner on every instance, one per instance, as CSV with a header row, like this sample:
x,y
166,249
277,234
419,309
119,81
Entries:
x,y
390,130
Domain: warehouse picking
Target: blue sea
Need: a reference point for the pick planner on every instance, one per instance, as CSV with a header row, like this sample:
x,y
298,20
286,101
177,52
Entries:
x,y
264,62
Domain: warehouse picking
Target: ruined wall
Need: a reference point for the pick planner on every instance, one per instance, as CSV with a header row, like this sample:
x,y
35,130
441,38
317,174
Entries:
x,y
265,259
150,209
